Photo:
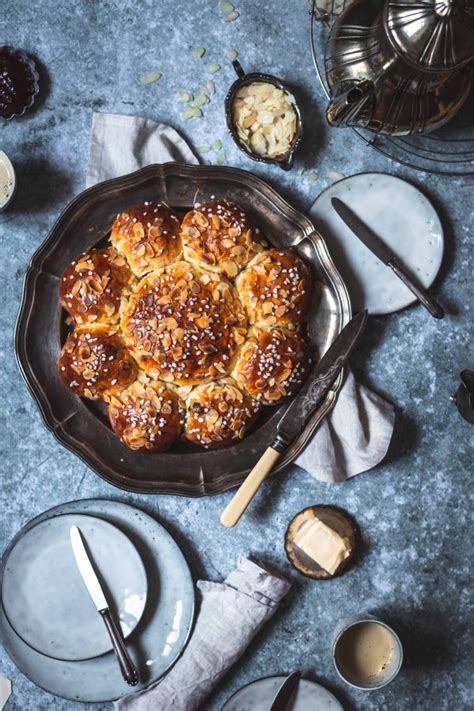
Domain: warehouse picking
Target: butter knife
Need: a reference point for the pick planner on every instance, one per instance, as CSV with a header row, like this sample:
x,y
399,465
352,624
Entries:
x,y
382,252
96,592
298,411
283,701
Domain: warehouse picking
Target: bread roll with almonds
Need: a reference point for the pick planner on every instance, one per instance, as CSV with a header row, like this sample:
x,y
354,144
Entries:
x,y
147,235
220,237
275,289
219,414
147,416
94,286
184,325
272,364
95,363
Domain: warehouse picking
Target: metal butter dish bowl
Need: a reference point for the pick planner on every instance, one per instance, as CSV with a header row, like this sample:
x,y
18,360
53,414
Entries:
x,y
81,426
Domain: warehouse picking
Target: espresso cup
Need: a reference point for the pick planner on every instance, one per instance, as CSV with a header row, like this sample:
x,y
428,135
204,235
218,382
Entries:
x,y
366,652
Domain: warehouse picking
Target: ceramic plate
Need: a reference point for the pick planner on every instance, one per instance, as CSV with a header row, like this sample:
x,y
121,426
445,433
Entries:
x,y
402,217
258,696
161,634
80,425
44,596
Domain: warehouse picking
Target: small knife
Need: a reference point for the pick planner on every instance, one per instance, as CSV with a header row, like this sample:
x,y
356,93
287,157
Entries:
x,y
94,589
382,252
283,701
302,406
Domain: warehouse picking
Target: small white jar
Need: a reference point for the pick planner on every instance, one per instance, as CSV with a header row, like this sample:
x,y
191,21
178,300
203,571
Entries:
x,y
7,181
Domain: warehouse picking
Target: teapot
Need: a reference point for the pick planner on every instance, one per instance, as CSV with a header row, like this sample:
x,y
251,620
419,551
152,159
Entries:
x,y
400,66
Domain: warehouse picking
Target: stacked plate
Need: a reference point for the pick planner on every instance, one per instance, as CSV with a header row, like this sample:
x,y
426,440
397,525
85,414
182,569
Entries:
x,y
48,623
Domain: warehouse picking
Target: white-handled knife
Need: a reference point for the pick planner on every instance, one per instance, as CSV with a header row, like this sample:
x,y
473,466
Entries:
x,y
94,588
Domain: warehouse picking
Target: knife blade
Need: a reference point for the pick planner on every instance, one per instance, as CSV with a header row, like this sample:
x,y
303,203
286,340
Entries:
x,y
285,696
383,252
318,383
94,588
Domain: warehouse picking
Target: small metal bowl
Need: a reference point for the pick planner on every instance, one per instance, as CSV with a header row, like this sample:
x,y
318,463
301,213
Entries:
x,y
30,79
335,518
286,161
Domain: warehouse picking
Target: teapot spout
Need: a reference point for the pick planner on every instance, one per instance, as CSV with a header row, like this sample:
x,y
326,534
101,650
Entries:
x,y
352,105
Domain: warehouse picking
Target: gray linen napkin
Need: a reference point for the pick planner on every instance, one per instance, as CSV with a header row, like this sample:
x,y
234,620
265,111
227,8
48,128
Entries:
x,y
355,436
230,615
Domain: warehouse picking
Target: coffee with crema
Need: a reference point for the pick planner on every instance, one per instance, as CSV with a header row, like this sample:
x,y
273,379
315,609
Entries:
x,y
364,652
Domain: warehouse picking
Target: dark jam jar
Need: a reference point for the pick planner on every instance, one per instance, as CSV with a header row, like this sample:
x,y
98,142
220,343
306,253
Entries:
x,y
18,82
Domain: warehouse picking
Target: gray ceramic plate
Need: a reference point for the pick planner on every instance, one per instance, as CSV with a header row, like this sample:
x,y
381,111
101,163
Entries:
x,y
163,630
80,425
403,218
44,596
258,696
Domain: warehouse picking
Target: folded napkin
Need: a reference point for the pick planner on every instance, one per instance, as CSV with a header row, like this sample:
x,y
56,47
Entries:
x,y
355,436
230,615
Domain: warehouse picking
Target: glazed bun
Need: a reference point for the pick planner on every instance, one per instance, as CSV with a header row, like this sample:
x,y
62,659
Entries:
x,y
219,236
146,416
93,287
147,236
275,289
272,364
94,362
219,414
184,325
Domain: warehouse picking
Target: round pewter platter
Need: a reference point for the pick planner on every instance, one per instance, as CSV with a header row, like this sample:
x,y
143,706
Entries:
x,y
80,425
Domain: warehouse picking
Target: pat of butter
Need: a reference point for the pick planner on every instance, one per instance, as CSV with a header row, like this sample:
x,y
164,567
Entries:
x,y
324,545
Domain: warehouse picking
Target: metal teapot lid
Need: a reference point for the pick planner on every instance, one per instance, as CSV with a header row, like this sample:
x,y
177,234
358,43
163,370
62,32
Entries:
x,y
434,35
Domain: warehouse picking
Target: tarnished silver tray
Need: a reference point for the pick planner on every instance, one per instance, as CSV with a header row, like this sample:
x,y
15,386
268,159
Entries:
x,y
80,425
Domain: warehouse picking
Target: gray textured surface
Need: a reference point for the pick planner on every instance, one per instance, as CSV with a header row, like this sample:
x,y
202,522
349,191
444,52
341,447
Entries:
x,y
413,510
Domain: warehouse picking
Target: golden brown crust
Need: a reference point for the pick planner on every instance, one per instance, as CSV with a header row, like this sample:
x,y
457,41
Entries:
x,y
184,325
219,414
95,363
146,416
219,236
147,236
275,289
93,286
272,364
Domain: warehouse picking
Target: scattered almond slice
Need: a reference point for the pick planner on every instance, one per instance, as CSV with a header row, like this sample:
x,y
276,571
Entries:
x,y
313,176
213,67
192,112
203,149
151,77
231,54
335,175
184,96
226,6
219,160
199,52
201,100
233,16
217,145
211,88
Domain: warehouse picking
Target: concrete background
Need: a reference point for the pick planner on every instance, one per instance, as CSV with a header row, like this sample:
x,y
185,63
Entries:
x,y
413,510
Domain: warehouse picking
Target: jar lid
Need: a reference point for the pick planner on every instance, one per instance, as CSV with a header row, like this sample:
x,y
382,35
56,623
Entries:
x,y
434,35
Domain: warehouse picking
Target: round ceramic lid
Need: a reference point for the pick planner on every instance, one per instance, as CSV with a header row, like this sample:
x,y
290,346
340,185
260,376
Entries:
x,y
434,35
402,217
44,595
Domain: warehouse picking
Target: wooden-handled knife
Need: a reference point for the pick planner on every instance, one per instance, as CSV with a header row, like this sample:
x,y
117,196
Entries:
x,y
299,410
